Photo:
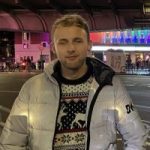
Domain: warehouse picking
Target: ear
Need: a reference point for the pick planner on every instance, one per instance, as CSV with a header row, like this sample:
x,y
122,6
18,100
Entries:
x,y
89,48
53,51
52,47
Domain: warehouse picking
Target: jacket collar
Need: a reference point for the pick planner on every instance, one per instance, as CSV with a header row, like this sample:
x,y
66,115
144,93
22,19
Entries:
x,y
102,73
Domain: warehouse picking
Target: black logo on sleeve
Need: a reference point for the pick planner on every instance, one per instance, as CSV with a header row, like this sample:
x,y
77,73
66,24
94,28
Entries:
x,y
129,108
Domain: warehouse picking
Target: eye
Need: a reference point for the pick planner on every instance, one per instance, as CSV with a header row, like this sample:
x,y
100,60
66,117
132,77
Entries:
x,y
78,40
62,42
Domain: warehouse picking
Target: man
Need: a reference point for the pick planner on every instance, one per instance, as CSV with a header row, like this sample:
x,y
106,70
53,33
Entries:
x,y
78,103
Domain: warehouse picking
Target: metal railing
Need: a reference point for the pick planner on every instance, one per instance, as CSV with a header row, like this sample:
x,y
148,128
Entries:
x,y
133,70
3,109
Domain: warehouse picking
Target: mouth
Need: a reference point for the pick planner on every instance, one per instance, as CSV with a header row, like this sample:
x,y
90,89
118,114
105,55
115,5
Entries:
x,y
72,57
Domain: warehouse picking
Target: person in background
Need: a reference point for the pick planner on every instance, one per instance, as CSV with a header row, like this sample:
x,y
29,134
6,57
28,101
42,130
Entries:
x,y
77,103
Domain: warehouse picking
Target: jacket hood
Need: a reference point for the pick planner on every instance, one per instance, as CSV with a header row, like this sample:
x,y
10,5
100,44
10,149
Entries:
x,y
102,72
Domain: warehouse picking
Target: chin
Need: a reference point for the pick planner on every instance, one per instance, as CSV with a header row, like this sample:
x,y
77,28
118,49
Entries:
x,y
73,65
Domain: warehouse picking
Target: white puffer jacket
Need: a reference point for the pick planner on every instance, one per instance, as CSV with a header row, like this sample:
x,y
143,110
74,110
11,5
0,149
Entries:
x,y
32,121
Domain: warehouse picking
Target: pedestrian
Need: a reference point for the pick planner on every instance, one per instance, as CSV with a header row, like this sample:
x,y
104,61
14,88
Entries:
x,y
77,103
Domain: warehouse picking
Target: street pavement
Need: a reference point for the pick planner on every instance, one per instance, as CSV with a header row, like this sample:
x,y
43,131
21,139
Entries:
x,y
137,86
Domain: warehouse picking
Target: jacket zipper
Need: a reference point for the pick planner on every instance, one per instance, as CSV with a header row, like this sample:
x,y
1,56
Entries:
x,y
57,115
90,114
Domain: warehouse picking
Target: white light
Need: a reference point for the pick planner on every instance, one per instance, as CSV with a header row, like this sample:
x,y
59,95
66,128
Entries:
x,y
124,48
147,9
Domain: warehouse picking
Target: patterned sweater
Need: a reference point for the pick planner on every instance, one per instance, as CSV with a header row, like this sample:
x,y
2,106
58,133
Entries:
x,y
71,122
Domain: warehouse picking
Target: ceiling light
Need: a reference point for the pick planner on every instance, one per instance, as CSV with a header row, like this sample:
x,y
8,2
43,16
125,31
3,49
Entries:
x,y
146,8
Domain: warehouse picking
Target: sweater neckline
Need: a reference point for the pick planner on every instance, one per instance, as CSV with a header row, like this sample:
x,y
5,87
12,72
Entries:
x,y
80,80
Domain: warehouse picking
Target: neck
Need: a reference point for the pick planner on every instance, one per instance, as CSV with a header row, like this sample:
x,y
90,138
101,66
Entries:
x,y
73,74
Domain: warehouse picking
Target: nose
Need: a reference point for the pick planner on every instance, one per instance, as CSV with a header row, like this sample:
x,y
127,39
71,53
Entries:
x,y
71,47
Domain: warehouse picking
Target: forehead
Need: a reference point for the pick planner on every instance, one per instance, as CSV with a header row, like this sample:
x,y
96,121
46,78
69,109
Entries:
x,y
68,32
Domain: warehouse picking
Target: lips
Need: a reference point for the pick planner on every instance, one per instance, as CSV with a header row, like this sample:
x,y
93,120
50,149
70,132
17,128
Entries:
x,y
71,57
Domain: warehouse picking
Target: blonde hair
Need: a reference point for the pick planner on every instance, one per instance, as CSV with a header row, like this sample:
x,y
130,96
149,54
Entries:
x,y
71,20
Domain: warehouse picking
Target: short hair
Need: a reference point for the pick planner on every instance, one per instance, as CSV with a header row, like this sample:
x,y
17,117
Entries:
x,y
71,20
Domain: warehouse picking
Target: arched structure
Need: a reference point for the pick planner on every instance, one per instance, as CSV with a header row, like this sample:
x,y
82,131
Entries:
x,y
38,15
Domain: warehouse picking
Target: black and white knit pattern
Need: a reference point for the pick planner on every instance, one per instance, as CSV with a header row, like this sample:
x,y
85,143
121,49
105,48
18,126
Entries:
x,y
71,125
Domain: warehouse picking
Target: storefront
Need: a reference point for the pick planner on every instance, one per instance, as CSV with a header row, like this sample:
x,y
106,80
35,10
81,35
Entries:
x,y
134,43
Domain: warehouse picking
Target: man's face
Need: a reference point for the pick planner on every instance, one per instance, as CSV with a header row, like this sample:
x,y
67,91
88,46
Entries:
x,y
71,46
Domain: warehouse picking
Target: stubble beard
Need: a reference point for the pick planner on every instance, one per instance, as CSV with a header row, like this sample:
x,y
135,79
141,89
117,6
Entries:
x,y
73,67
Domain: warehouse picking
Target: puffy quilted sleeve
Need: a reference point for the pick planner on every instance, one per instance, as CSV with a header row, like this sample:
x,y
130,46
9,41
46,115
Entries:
x,y
128,121
14,134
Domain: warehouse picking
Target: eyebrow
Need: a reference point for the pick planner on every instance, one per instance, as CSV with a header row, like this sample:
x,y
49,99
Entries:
x,y
63,40
77,38
66,40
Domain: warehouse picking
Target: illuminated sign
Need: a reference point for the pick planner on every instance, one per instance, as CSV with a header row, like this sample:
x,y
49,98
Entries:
x,y
126,37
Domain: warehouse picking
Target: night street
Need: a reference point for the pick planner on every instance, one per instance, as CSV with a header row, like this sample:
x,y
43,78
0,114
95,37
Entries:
x,y
137,86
